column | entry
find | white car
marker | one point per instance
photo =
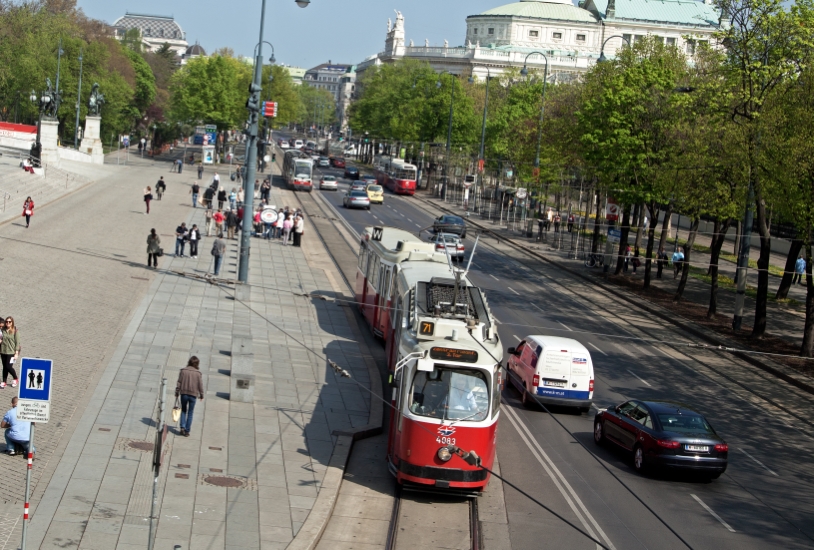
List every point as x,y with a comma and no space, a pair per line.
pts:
328,182
284,144
298,144
324,162
315,156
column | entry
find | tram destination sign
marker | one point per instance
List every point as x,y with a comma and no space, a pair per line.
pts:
452,354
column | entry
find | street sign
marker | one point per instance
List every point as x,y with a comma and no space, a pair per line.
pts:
268,215
34,404
614,235
611,211
480,165
521,193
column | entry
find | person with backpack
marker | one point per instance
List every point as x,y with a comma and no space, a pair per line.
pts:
194,191
188,390
661,259
218,250
153,249
208,195
160,187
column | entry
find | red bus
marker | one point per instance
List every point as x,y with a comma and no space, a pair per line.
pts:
397,175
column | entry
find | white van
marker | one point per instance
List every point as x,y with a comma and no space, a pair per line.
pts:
553,371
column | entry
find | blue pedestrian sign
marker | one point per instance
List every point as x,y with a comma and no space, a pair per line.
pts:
35,379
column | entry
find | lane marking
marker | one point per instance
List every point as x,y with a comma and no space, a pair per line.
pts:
417,225
716,516
515,337
538,307
642,380
759,462
597,349
565,326
493,277
409,220
559,480
513,290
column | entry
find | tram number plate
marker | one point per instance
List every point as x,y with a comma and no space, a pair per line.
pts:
554,383
445,440
427,329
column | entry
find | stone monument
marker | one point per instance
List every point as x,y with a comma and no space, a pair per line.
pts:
91,142
49,125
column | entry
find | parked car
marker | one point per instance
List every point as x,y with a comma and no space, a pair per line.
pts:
324,162
328,182
663,434
352,173
450,224
449,243
356,199
338,162
375,193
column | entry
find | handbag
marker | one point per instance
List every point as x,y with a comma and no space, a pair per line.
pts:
160,252
176,411
28,212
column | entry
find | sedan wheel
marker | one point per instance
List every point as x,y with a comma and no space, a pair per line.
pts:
599,433
638,459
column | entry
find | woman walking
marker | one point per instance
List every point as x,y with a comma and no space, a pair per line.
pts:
287,225
233,199
28,210
189,389
299,225
148,196
9,351
153,248
221,198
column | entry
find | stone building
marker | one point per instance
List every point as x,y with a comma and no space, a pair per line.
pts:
155,30
340,81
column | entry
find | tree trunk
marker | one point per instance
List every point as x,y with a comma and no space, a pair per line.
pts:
685,272
639,229
597,225
665,226
715,252
808,333
738,232
763,269
788,271
653,207
620,263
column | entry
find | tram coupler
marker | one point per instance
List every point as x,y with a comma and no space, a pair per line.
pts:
470,457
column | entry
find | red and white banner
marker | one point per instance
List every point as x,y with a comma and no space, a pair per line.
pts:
612,210
18,136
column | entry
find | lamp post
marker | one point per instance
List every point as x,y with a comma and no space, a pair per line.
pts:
57,93
42,103
483,127
602,57
78,102
524,71
253,105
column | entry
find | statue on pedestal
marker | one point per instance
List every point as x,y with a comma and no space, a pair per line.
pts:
96,101
52,104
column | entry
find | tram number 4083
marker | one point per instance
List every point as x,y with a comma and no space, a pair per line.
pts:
445,440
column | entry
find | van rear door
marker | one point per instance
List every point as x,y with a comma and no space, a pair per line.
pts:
554,369
582,376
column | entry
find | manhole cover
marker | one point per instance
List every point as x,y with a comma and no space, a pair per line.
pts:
222,481
140,445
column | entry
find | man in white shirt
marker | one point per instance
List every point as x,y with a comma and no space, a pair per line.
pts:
18,432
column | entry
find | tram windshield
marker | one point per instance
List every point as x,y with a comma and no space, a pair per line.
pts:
450,394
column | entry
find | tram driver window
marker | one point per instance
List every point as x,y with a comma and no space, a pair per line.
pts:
450,394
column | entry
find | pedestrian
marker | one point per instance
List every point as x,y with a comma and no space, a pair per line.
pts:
180,164
557,221
148,196
288,224
160,187
240,197
189,389
194,191
209,222
208,195
233,199
9,351
181,233
570,222
231,224
17,432
28,210
299,225
219,219
221,198
216,180
218,250
265,189
678,261
194,237
799,270
278,228
627,257
153,248
661,259
540,225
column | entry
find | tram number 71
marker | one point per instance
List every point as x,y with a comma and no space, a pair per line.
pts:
427,328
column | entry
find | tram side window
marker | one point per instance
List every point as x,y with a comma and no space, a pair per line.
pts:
496,391
374,273
363,258
450,394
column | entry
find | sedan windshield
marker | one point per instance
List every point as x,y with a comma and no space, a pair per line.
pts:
685,423
452,220
328,178
450,394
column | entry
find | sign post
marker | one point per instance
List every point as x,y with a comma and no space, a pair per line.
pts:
33,405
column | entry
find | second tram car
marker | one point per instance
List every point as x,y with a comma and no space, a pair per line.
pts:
298,171
397,175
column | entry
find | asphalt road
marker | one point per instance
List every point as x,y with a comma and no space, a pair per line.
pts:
763,500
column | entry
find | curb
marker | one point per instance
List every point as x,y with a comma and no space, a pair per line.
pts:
685,325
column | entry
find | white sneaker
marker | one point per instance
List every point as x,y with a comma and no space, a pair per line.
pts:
14,384
2,385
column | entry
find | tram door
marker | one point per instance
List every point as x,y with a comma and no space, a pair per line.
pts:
381,316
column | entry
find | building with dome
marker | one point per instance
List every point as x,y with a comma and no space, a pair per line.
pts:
155,30
192,52
570,36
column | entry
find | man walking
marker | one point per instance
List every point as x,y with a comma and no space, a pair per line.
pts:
799,270
200,171
181,233
219,218
678,261
160,187
194,239
18,432
661,259
231,223
188,390
218,250
195,190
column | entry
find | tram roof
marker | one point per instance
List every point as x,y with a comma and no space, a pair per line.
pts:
397,245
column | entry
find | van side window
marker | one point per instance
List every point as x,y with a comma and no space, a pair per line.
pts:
526,356
536,356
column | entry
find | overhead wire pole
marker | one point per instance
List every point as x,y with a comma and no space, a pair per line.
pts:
78,103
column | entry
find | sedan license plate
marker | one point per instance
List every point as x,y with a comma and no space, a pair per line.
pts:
554,383
697,448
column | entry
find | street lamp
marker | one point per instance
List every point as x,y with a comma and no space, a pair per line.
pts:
483,125
253,105
78,102
602,57
272,59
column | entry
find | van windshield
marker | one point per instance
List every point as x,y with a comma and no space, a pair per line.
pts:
450,394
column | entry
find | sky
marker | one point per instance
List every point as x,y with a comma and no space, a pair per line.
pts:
342,31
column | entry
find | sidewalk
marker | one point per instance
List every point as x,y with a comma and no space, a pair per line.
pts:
250,473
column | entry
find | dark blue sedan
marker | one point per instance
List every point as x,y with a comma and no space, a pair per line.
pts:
352,173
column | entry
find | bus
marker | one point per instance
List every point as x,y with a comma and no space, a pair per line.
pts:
298,171
397,175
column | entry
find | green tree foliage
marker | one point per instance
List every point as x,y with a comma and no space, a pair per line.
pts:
145,81
211,90
317,106
279,86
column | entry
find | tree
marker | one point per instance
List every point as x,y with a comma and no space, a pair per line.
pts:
281,89
145,90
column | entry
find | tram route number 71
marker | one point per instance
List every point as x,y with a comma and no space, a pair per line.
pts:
427,328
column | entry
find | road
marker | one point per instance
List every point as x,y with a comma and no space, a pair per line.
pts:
762,500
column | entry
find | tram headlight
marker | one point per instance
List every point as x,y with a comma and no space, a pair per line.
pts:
444,454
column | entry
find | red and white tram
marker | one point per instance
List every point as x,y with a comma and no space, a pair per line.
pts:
444,357
397,175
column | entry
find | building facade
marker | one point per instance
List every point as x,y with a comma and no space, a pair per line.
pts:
155,30
570,37
339,81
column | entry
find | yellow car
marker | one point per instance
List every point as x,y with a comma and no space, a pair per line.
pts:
375,193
